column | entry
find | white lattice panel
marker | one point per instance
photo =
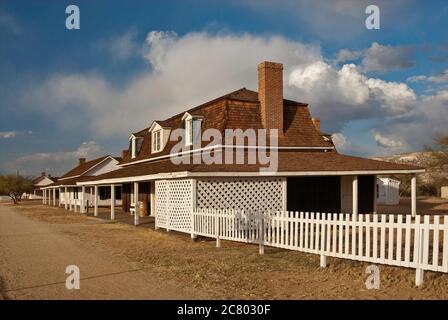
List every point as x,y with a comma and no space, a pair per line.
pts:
174,204
249,194
180,204
161,203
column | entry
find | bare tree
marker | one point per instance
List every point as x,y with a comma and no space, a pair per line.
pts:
14,186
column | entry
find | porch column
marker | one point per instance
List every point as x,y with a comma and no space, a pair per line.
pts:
71,197
43,196
48,200
355,195
374,193
152,199
59,198
54,197
95,202
65,198
112,202
82,208
414,195
136,215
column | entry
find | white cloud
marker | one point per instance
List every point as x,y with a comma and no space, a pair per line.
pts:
380,57
122,47
437,78
386,142
348,55
385,58
8,134
56,163
14,134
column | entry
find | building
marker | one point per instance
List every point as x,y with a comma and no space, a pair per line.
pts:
168,174
388,191
42,181
65,191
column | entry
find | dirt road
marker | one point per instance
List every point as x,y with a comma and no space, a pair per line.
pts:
34,256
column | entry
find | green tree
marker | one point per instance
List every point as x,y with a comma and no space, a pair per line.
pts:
438,164
14,186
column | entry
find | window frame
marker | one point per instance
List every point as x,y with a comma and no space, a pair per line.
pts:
156,141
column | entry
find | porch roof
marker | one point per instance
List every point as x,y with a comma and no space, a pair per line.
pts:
290,163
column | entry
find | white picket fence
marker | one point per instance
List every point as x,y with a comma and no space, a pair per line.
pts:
395,240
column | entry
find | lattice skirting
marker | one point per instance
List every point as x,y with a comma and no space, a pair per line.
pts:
174,204
250,194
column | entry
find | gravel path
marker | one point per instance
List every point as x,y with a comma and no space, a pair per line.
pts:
34,256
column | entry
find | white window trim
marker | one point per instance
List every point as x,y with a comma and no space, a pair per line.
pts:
153,142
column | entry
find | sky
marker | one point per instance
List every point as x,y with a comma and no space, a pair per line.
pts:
66,94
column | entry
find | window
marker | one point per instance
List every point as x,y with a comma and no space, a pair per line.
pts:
104,193
189,132
136,146
157,141
192,131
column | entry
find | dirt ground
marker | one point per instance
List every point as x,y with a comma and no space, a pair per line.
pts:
234,271
425,205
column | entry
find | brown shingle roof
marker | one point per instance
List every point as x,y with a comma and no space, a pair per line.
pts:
288,161
84,167
240,109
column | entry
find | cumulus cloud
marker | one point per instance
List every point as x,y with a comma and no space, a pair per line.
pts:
380,57
348,55
122,47
386,142
56,163
185,71
437,78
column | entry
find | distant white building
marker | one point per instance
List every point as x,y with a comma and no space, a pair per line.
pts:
444,192
388,191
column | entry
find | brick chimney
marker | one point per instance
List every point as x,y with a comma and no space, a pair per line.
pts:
316,122
43,174
82,161
123,153
270,94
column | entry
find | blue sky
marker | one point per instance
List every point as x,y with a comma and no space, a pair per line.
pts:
70,93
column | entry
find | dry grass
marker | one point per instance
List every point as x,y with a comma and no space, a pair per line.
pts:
236,270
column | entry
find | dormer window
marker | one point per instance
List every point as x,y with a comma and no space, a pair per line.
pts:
157,141
192,129
135,146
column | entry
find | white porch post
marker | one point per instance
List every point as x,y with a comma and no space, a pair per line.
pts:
112,202
374,193
60,197
355,195
152,199
43,196
83,207
414,195
65,198
54,197
95,202
136,215
71,197
48,201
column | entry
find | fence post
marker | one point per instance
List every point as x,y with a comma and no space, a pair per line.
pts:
217,231
323,257
261,234
193,236
419,273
